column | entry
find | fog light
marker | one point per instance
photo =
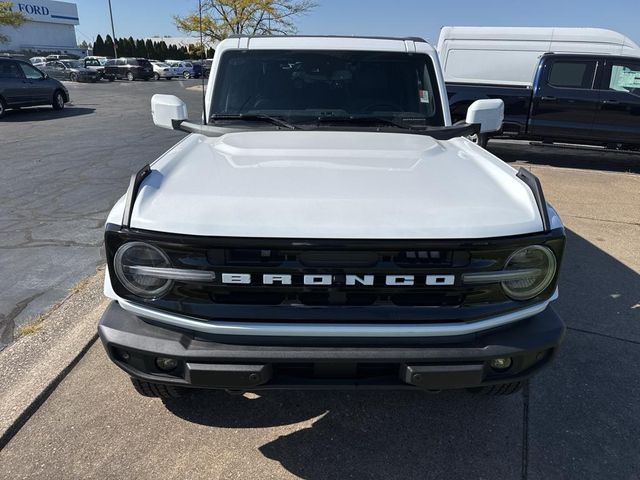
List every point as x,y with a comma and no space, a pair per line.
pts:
501,364
166,364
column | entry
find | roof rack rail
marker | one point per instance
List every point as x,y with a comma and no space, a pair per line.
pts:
414,39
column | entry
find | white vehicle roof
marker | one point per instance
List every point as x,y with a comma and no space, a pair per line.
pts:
509,55
308,42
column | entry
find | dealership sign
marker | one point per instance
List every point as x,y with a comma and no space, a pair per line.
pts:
48,11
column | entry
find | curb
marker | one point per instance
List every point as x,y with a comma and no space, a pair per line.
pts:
42,397
34,365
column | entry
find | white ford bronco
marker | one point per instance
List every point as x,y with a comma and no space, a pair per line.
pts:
324,225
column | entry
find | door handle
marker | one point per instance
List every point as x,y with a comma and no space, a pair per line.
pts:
610,102
548,99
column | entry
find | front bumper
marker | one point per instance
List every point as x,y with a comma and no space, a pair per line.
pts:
134,343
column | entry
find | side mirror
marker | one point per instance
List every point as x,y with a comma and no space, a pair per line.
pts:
167,111
489,114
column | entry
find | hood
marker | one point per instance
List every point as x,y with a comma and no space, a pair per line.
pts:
323,184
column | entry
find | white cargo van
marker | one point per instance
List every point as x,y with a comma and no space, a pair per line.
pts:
509,55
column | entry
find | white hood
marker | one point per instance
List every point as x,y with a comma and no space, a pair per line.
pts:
343,185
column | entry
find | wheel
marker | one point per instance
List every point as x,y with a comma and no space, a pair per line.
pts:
499,389
480,139
58,100
157,390
3,108
73,77
130,76
156,76
186,75
111,78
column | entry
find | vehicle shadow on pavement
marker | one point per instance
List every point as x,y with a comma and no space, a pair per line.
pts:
35,114
566,156
579,419
374,434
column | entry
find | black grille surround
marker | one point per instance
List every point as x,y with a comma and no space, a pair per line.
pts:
338,303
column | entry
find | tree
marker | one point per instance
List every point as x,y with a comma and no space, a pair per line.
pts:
162,51
99,48
151,49
108,45
9,18
141,49
221,18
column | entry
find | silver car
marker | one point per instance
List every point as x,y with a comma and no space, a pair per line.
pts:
163,70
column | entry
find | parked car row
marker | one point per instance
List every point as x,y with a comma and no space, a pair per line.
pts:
23,84
124,68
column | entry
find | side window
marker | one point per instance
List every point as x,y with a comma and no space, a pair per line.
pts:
30,72
625,77
9,70
572,74
121,62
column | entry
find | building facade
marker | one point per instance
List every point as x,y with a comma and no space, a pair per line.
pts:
50,27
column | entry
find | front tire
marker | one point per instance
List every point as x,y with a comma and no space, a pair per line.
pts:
58,100
186,75
3,108
130,76
499,389
156,76
156,390
73,77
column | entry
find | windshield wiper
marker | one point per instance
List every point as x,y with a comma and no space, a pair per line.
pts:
366,120
255,117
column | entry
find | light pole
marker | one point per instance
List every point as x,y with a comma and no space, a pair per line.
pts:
113,32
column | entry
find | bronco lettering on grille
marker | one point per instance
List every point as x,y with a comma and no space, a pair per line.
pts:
349,280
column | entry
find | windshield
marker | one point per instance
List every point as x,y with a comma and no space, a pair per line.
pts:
160,64
299,85
72,63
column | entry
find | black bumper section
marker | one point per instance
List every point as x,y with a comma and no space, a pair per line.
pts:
135,344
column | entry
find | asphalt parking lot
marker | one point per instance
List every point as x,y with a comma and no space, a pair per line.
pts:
579,419
61,173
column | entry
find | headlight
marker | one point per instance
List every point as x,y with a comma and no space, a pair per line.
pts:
536,266
127,262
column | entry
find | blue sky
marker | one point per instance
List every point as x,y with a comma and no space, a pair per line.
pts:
141,18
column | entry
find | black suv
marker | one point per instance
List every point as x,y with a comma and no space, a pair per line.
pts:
23,85
128,68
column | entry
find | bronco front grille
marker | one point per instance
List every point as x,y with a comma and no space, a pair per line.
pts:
374,300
